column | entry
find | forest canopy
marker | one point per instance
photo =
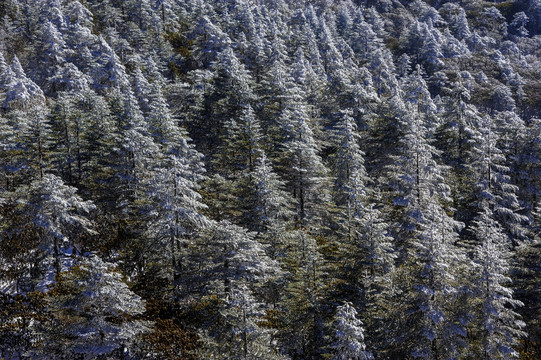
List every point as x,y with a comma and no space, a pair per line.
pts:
270,179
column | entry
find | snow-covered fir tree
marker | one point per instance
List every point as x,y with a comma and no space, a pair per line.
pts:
349,335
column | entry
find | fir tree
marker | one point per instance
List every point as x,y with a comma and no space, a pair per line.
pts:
499,325
94,312
307,174
349,343
58,213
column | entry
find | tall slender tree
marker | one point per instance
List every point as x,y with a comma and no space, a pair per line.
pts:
349,335
499,327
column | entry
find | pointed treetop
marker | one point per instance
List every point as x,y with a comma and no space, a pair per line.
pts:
20,90
78,14
17,68
349,335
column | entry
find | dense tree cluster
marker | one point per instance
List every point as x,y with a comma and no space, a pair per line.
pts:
270,179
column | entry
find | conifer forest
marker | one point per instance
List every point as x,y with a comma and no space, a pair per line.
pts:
270,179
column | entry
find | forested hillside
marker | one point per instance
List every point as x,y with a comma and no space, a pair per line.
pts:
270,179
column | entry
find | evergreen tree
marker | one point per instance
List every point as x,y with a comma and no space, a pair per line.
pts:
305,302
53,54
349,167
135,152
455,16
349,335
230,95
499,325
210,41
69,129
92,126
19,91
493,187
273,207
416,94
426,243
230,265
248,339
178,206
431,54
94,313
142,90
306,173
456,139
58,213
30,140
241,143
78,36
272,204
520,20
